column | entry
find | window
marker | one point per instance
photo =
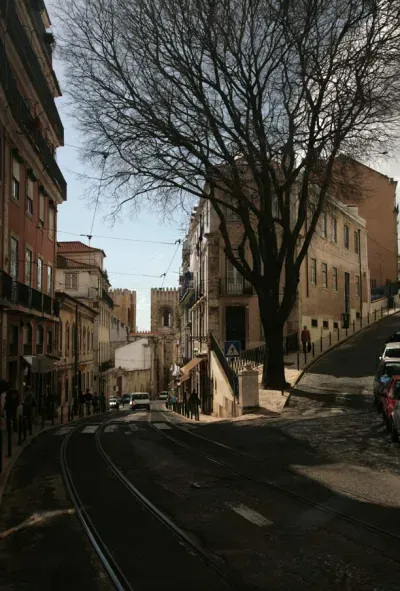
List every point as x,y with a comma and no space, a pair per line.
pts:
49,341
27,339
373,283
51,222
358,286
60,338
29,197
39,340
166,318
67,341
324,275
334,278
14,258
84,341
28,267
41,207
313,271
324,223
325,324
356,243
13,333
71,281
39,274
73,338
49,280
15,180
336,325
314,323
334,230
346,237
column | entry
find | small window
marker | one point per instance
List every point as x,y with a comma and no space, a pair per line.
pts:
67,338
28,267
314,323
39,340
41,207
71,281
324,224
39,274
29,197
324,275
334,278
336,325
334,230
49,280
325,324
358,286
346,237
313,264
49,341
373,283
358,315
15,180
356,243
14,256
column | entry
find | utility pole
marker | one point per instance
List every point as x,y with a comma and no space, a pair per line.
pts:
76,370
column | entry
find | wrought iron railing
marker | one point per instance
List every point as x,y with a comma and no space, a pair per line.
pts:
20,294
228,371
23,116
256,355
108,299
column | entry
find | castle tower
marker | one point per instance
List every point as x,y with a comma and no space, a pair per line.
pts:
165,325
125,306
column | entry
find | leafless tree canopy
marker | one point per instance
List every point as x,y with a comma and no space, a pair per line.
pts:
255,97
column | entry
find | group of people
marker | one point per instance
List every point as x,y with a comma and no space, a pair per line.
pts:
92,402
13,405
189,404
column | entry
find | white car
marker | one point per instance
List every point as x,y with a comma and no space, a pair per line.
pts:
140,400
112,403
391,352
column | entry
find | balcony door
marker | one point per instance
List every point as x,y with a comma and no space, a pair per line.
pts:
235,324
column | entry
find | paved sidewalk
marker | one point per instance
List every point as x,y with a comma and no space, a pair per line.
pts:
37,428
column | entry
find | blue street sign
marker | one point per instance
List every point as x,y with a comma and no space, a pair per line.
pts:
232,348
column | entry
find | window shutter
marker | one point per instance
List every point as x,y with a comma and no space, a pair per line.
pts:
16,169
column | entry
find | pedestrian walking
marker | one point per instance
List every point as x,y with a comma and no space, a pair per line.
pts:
194,403
88,401
82,400
95,403
306,340
11,407
102,403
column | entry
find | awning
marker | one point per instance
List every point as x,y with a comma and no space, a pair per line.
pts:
41,363
186,369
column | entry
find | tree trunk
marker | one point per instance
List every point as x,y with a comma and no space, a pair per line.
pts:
274,370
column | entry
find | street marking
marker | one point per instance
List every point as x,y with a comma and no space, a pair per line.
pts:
90,429
111,429
250,514
161,426
64,430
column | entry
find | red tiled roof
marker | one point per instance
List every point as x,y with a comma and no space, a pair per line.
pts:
77,246
66,263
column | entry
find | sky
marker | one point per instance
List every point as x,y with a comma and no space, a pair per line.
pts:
128,257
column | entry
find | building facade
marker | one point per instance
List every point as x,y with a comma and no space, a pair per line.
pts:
125,306
76,368
81,274
31,189
165,326
134,367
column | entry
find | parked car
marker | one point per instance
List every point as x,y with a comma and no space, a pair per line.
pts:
385,371
391,351
113,403
125,399
140,400
163,396
394,338
390,396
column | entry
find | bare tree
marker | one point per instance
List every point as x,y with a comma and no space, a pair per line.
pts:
246,103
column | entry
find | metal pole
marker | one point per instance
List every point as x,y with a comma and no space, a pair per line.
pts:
9,438
313,349
298,360
338,334
330,339
321,344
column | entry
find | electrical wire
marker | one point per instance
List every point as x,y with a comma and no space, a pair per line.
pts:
178,243
113,238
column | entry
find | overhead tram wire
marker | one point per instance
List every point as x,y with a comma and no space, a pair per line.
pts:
178,243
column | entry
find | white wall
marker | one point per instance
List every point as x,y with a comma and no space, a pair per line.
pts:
224,404
136,355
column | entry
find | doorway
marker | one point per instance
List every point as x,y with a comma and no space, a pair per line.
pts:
347,293
235,324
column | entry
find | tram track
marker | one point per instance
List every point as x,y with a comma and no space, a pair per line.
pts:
114,566
271,485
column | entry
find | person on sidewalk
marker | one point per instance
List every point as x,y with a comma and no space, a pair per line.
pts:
306,340
28,404
88,401
95,403
194,403
11,407
102,402
4,387
81,403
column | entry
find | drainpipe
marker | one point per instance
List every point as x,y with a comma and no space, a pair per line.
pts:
360,271
76,353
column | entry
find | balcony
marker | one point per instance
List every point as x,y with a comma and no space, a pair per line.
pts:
106,365
236,287
22,115
19,294
20,39
107,299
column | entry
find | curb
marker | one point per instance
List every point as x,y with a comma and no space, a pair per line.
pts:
23,447
318,357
